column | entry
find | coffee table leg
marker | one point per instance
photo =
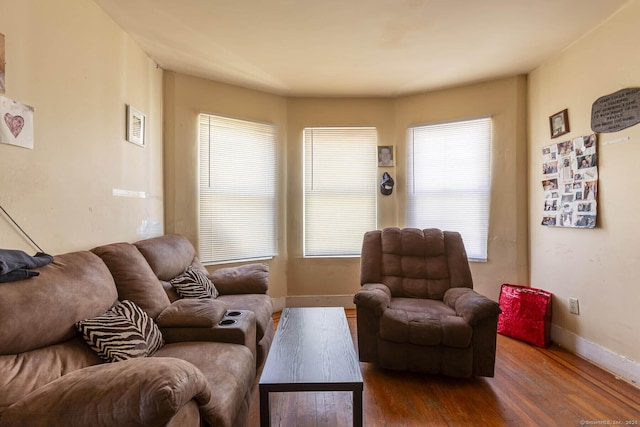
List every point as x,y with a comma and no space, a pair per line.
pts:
357,408
265,412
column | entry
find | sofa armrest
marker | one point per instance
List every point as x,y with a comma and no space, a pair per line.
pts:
142,391
236,327
244,279
374,296
469,304
192,313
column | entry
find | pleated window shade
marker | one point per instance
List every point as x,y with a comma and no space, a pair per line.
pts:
449,180
237,190
340,189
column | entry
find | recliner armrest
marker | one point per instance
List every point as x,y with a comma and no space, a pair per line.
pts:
469,304
244,279
142,391
192,312
374,296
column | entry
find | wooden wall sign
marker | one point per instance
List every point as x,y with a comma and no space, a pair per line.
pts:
620,110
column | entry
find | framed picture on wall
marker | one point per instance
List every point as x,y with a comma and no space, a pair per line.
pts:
135,126
559,123
385,155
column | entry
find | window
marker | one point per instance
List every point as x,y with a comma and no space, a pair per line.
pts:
448,180
237,197
340,190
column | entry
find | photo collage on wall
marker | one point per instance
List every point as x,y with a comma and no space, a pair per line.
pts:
570,183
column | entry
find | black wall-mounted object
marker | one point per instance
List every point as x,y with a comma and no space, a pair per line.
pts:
386,186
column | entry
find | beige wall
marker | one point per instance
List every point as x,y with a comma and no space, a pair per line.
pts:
505,101
71,62
296,277
186,97
330,276
598,266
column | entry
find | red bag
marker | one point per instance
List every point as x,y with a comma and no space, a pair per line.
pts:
526,314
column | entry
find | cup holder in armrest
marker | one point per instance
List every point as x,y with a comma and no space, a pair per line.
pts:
227,322
233,313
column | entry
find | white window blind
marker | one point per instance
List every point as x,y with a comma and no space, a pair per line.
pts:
237,189
448,180
340,189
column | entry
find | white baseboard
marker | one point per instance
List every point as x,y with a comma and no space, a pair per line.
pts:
345,301
617,364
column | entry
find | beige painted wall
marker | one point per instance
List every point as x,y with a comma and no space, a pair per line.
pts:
330,276
505,101
185,98
598,266
71,62
291,274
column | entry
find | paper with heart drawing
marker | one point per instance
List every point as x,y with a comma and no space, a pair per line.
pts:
16,123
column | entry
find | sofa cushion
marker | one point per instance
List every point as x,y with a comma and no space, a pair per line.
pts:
43,310
167,255
124,332
134,277
434,307
193,283
428,328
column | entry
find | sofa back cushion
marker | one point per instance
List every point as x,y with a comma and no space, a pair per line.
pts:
168,255
415,263
43,310
134,278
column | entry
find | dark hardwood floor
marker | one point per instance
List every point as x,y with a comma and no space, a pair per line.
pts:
531,387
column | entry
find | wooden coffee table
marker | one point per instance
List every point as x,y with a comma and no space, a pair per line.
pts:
312,351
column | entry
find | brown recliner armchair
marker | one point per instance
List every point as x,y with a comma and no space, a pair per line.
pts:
417,309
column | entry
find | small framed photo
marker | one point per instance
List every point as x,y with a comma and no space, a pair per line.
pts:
135,126
385,155
559,123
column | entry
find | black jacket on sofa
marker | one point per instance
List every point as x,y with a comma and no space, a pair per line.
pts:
16,265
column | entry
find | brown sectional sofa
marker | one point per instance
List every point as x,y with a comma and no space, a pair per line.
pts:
203,375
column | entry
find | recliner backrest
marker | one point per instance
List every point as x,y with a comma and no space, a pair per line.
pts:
415,263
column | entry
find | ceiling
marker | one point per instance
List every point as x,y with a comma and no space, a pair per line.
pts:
355,47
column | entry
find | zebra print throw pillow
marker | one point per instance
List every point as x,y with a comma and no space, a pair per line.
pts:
193,283
125,331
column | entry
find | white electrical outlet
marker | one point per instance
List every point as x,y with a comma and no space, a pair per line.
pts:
574,307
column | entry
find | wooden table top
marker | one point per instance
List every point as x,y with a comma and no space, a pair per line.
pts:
312,346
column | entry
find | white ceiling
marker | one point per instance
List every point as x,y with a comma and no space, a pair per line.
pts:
355,47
